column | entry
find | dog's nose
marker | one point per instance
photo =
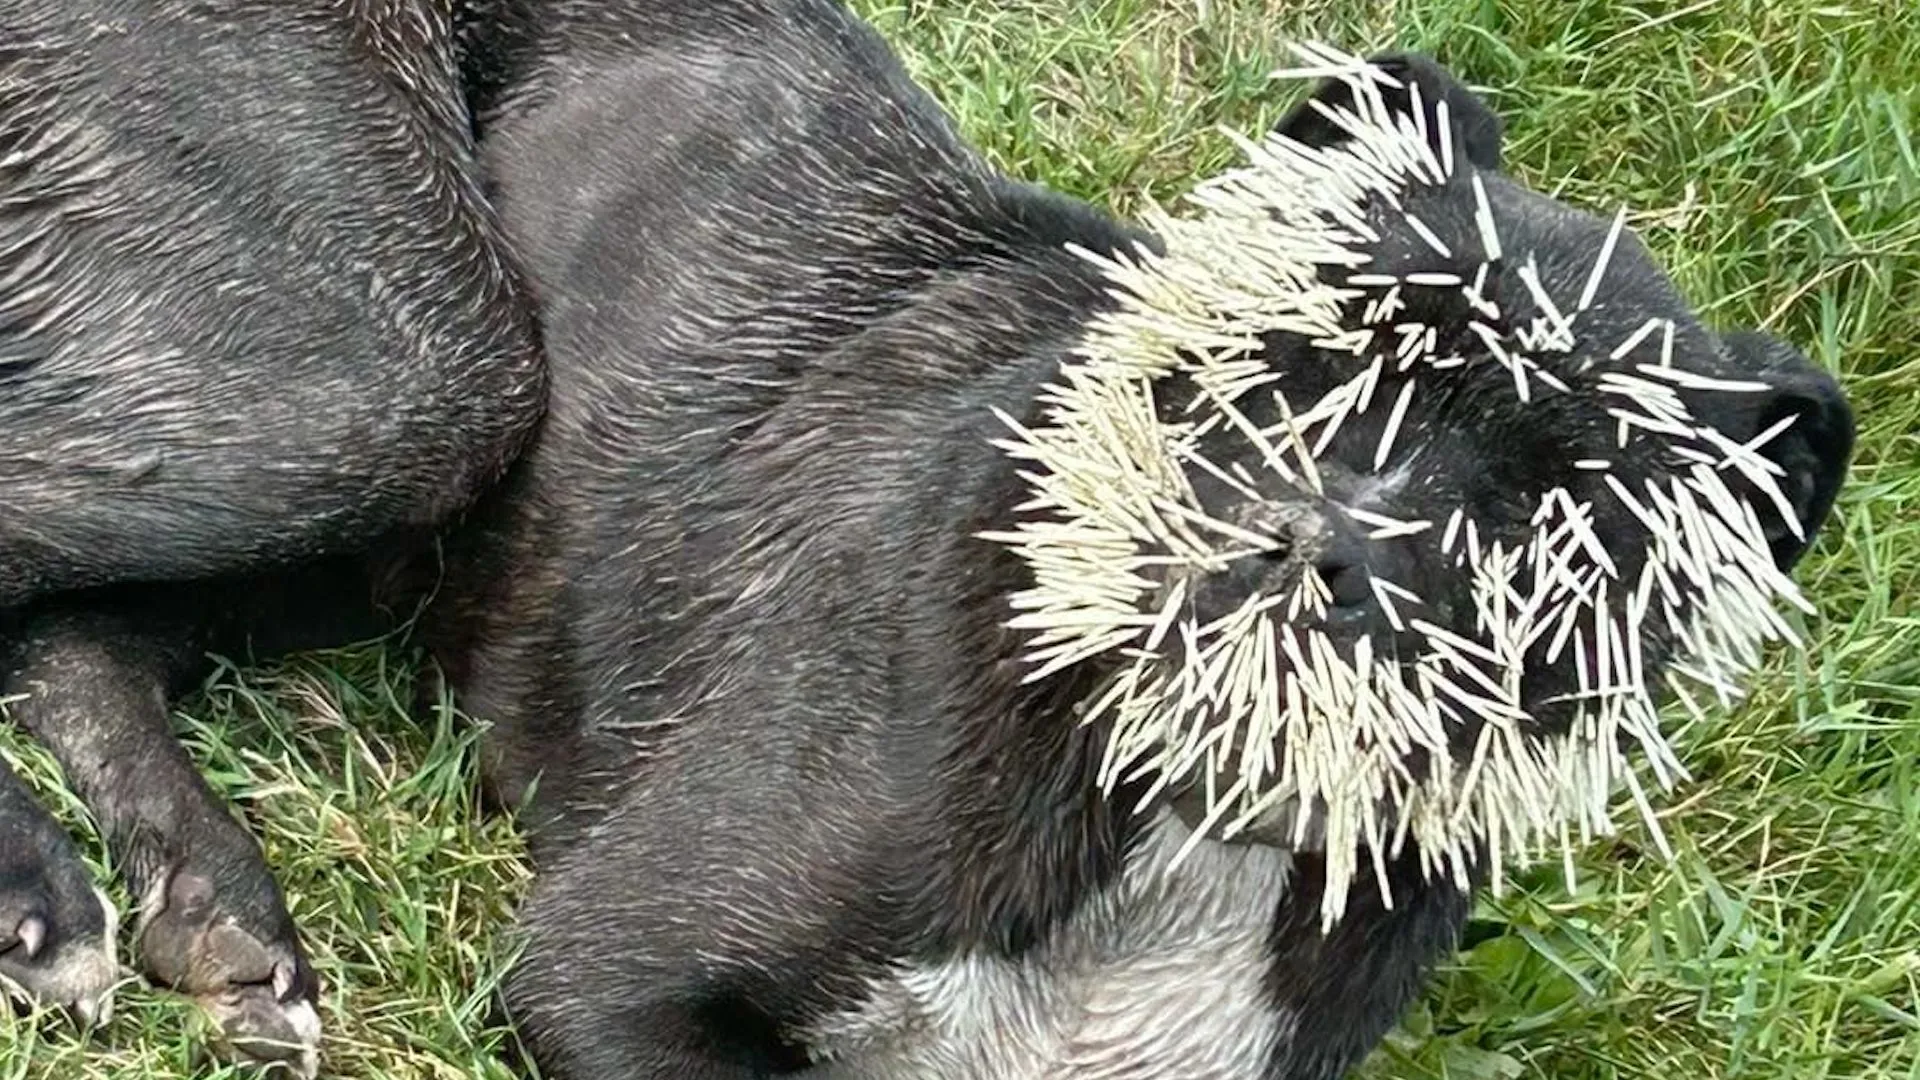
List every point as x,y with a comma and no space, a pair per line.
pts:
1322,536
1345,574
1339,556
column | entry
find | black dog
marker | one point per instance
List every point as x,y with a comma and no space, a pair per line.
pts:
795,809
253,313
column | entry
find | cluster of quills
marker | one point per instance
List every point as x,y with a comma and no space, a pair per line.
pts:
1260,709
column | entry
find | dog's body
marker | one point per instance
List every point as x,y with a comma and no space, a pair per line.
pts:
238,232
733,614
795,808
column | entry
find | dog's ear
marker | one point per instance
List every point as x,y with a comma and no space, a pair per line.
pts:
1475,130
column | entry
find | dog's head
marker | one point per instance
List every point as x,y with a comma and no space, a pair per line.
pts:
1472,435
1432,529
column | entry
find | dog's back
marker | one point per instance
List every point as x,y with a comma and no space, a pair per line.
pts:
752,238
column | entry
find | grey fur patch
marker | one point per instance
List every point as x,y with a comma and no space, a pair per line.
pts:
1161,976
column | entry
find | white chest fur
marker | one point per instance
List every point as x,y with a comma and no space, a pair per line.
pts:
1159,977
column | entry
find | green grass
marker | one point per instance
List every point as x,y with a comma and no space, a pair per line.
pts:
1769,150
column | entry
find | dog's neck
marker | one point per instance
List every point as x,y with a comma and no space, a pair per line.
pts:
1029,833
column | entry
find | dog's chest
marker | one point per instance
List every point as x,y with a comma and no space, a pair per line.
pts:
1163,977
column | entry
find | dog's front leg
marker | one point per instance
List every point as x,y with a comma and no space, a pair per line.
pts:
94,685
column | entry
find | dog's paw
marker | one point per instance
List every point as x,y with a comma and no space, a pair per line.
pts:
247,973
57,940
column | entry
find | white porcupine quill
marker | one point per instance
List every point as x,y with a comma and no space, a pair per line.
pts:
1261,712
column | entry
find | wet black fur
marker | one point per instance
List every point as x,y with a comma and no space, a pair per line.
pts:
728,610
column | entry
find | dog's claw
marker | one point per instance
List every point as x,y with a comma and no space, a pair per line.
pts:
285,977
77,973
282,1035
31,934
